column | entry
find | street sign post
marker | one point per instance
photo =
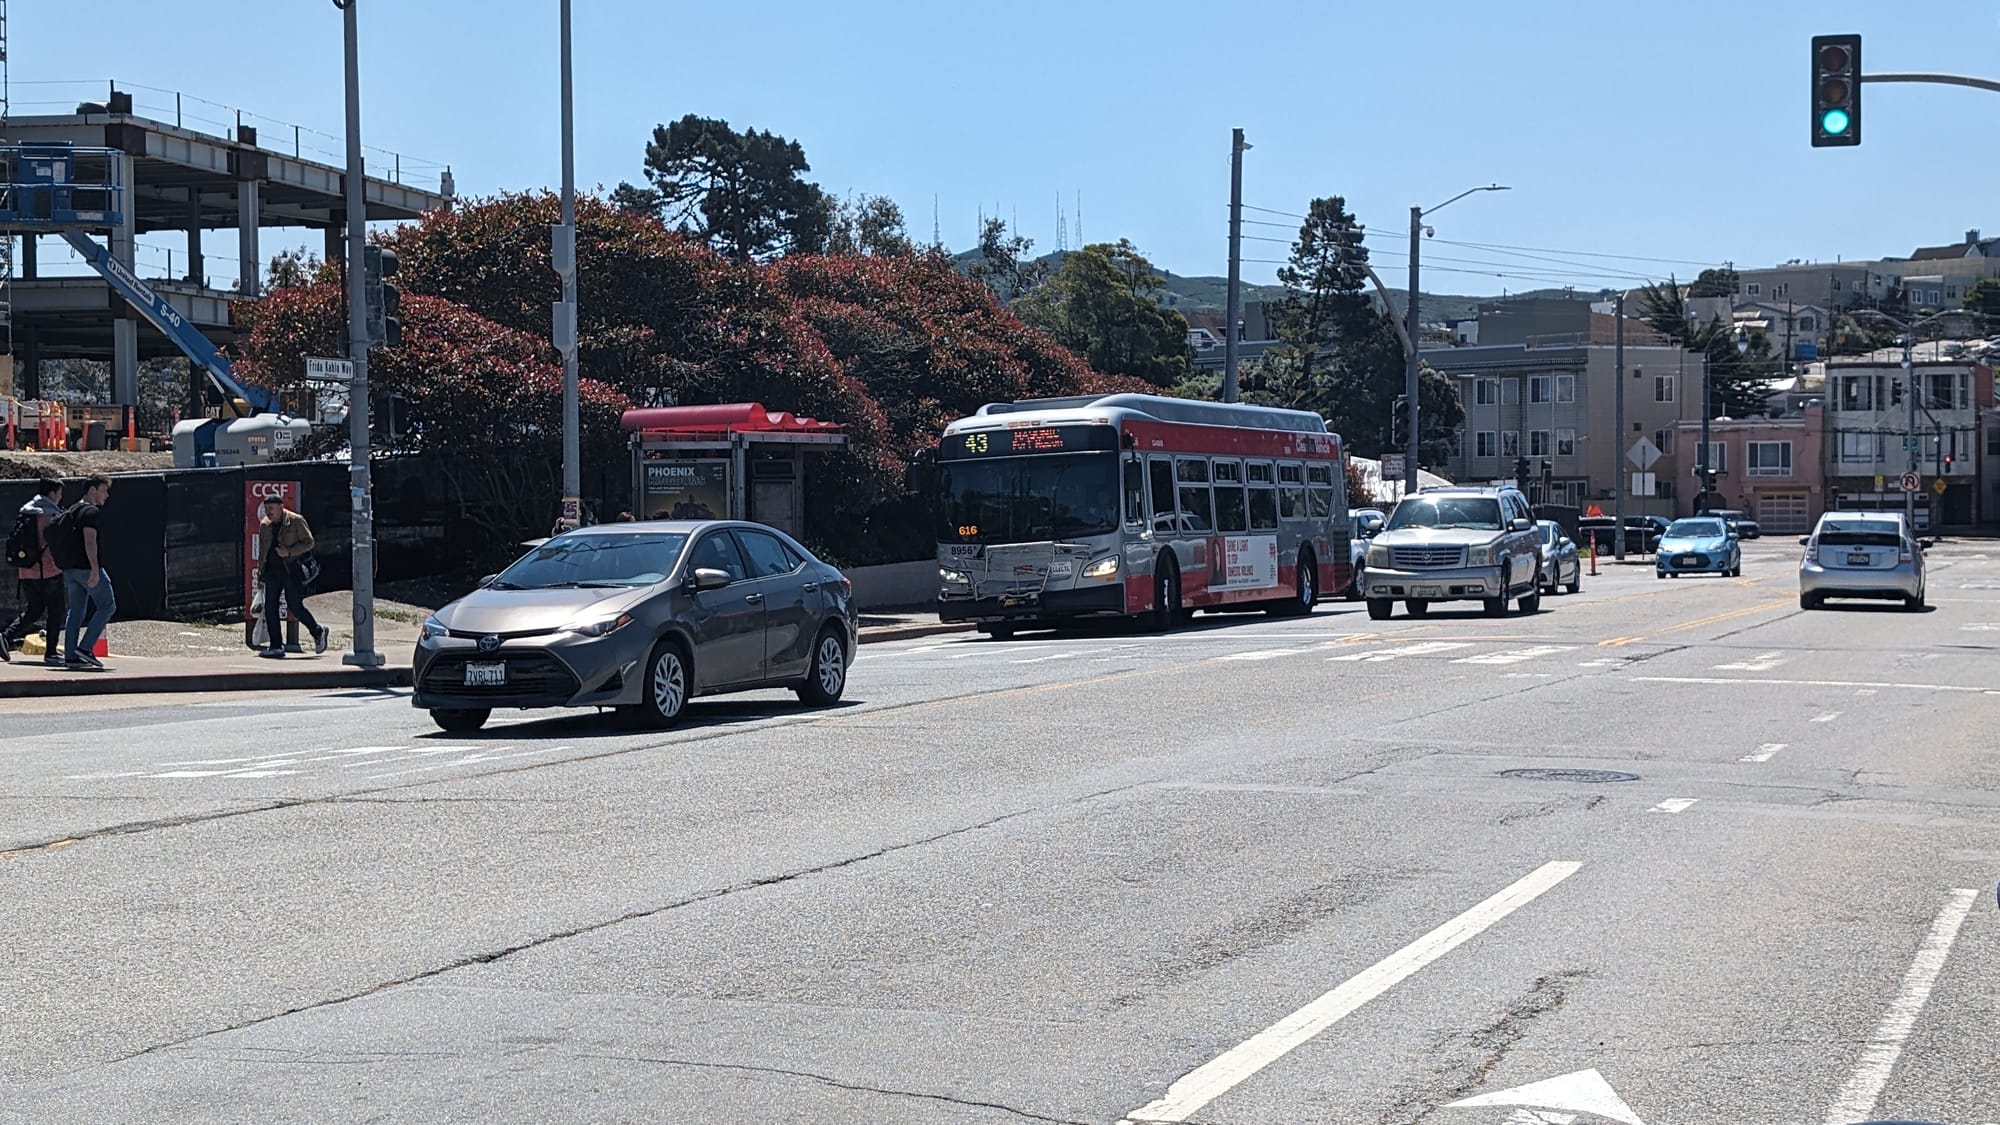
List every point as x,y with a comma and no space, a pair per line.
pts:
1392,466
1644,484
1938,486
1911,482
323,370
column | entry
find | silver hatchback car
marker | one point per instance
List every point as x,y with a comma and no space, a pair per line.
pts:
641,617
1862,555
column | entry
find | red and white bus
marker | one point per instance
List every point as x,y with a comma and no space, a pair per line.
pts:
1136,505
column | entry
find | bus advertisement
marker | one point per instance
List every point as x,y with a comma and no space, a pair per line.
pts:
1138,506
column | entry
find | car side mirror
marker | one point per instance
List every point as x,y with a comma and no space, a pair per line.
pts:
1524,524
708,578
1926,544
488,581
1805,540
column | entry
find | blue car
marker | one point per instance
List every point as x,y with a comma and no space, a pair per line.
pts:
1699,545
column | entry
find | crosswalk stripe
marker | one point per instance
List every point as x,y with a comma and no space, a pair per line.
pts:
1427,648
1514,656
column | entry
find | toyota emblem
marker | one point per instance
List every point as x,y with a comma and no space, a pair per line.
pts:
488,643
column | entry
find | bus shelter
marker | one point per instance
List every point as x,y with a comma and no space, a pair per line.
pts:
726,461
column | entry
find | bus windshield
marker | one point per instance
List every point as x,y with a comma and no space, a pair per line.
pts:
1028,499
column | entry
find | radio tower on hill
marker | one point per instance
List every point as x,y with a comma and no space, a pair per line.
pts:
1062,227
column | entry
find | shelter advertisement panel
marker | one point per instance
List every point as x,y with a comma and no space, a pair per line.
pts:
686,490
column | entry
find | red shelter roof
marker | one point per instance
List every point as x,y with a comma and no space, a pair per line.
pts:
722,418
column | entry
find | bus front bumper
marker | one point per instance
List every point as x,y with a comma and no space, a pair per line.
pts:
1103,600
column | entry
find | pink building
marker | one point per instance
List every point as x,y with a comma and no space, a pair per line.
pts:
1771,469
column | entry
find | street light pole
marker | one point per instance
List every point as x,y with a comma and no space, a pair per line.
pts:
1412,337
565,328
1910,433
1617,454
362,525
1237,145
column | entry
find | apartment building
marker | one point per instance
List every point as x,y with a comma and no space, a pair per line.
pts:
1868,440
1771,468
1556,403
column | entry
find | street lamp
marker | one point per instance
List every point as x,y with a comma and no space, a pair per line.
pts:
1411,336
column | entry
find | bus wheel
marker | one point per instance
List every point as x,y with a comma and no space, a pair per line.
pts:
1166,594
1380,608
1305,589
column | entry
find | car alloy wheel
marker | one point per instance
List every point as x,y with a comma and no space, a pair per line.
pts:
667,685
827,678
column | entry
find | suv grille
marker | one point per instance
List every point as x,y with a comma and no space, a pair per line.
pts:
529,674
1424,558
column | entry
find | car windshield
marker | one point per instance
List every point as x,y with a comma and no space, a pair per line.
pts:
583,558
1695,529
1028,499
1862,536
1477,513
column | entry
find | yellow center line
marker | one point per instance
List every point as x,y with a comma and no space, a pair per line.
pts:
1620,642
1734,613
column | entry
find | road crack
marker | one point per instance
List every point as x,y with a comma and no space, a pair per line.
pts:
488,957
1471,1057
827,1080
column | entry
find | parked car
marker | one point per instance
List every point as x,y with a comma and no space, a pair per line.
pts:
1562,564
1743,525
1455,544
1642,533
641,617
1862,555
1699,545
1362,524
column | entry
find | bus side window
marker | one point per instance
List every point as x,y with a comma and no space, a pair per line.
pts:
1194,495
1320,477
1135,491
1160,476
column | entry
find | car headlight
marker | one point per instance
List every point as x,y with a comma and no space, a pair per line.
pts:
952,577
1102,568
1479,556
433,628
602,628
1377,556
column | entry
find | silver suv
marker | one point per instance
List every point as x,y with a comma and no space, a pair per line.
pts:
1456,544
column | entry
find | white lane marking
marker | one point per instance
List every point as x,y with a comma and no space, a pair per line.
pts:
1674,805
367,750
1515,656
1864,691
1762,662
1260,654
473,760
262,773
184,773
1212,1079
1428,648
1046,659
1720,681
1765,752
1857,1099
1826,718
211,762
1604,663
1549,1100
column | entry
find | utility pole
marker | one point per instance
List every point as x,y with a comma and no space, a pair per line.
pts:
1235,304
1411,360
1618,453
1910,433
1707,474
360,485
565,327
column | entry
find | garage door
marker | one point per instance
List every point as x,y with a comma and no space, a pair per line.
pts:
1783,513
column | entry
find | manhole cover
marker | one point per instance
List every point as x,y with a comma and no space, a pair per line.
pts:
1594,777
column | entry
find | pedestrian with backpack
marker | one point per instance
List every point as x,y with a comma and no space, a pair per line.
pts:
284,544
40,577
73,541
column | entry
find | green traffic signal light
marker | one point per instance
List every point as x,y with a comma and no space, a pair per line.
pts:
1834,122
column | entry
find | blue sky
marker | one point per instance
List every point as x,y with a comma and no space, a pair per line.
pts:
1675,133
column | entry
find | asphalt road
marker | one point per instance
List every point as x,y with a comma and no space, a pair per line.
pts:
1259,870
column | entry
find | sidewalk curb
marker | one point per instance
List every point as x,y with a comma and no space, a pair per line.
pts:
910,632
113,683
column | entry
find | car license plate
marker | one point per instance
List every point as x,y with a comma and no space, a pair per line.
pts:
1010,603
1858,558
486,675
1427,592
1687,560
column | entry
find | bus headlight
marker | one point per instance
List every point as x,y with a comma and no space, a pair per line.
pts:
952,577
1103,568
1378,557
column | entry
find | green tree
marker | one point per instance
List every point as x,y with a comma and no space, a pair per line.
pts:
743,193
1102,303
1003,264
1738,380
868,226
1339,355
1443,413
1714,283
1984,297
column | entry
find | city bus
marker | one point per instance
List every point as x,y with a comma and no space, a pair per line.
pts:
1138,506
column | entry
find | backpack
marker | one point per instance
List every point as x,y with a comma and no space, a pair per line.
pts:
66,538
24,543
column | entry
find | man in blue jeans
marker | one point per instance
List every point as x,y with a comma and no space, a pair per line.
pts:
73,542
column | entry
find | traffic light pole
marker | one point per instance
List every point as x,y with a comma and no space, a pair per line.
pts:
1937,80
362,533
1910,434
565,331
1618,455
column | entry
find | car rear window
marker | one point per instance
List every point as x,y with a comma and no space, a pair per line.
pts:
1858,537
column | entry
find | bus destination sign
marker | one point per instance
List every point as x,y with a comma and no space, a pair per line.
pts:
1037,439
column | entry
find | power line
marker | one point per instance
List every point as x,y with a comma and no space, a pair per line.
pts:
1274,211
1578,253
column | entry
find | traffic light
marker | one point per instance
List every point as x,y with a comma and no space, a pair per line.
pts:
1836,91
1399,422
1895,392
385,300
